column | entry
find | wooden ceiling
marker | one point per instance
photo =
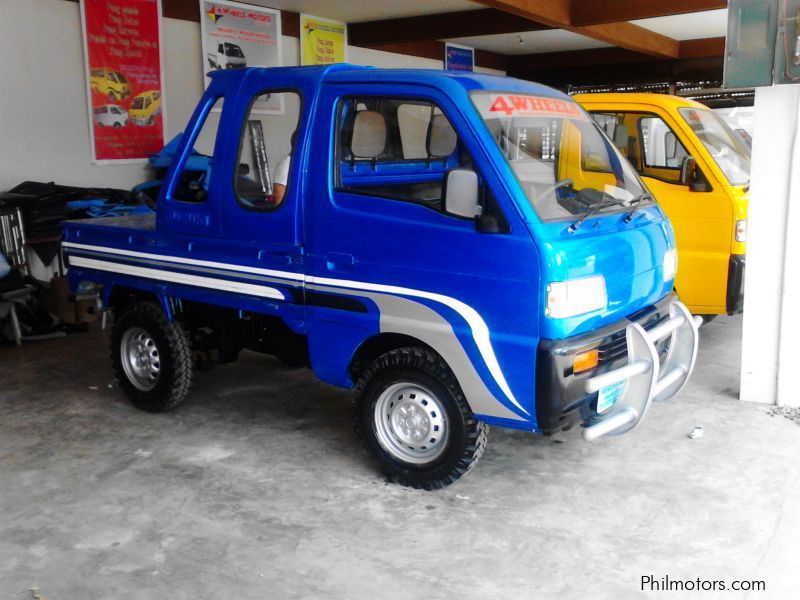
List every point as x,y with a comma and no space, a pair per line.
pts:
638,56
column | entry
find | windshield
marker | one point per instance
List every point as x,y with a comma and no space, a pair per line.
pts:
723,144
233,50
565,165
138,102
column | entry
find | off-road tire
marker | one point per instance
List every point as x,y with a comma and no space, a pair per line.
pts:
466,436
175,377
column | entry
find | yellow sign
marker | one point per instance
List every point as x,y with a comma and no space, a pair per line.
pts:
322,41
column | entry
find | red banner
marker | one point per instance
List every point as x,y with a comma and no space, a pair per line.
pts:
122,48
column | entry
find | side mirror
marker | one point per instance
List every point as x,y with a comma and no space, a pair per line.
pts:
692,177
461,193
688,169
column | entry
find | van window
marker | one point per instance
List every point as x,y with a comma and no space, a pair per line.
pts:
646,141
265,152
727,149
194,180
397,148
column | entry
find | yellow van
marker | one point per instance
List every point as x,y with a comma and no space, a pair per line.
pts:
112,84
145,107
698,169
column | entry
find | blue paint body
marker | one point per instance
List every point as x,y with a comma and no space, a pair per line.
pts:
341,243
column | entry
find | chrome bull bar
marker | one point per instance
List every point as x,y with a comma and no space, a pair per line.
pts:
646,380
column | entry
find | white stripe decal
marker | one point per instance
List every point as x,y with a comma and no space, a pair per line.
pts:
480,331
204,282
187,261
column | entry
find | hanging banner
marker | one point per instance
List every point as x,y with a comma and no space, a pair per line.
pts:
458,58
124,78
236,36
322,41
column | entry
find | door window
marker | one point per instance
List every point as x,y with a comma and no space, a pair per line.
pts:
265,152
396,148
647,142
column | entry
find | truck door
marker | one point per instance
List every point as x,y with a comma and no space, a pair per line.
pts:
700,212
262,209
386,257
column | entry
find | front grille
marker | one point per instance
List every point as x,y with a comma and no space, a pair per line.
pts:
616,346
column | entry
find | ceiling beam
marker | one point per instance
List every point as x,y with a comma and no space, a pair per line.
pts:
558,13
703,47
596,12
468,23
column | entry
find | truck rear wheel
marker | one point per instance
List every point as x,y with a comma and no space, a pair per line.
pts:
411,414
152,357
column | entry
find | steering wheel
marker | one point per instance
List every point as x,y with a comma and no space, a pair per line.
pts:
556,185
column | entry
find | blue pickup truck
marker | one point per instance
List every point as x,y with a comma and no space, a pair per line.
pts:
463,250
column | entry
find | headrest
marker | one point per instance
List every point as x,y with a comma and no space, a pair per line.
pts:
621,136
369,135
441,137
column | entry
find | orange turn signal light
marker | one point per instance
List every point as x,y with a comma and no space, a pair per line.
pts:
584,361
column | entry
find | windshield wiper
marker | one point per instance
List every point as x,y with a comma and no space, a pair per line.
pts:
635,202
592,210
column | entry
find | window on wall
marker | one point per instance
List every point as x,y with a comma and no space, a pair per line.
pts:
265,151
397,148
192,185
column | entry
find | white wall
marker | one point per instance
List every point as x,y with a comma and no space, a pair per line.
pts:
43,114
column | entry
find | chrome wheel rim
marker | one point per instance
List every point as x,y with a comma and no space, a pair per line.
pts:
410,423
140,358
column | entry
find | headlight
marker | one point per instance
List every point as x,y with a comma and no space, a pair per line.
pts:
670,265
575,297
741,230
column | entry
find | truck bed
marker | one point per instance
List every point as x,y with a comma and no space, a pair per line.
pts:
113,231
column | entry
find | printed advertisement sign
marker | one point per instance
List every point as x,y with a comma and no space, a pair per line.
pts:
322,41
458,58
124,78
236,36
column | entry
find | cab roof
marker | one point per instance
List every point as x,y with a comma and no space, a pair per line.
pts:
347,73
663,100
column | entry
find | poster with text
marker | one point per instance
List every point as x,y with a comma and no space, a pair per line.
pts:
322,41
124,78
236,36
458,58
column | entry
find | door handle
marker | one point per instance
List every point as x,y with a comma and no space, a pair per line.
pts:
276,259
339,261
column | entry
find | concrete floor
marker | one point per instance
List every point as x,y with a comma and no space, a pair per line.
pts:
257,488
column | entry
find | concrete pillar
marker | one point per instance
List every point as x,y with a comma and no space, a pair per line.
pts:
771,326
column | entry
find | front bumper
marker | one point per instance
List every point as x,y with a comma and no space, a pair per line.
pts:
646,377
565,398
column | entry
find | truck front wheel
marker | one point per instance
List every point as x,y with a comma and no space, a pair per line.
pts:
152,358
411,414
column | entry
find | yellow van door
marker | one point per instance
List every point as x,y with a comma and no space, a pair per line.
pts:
700,214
